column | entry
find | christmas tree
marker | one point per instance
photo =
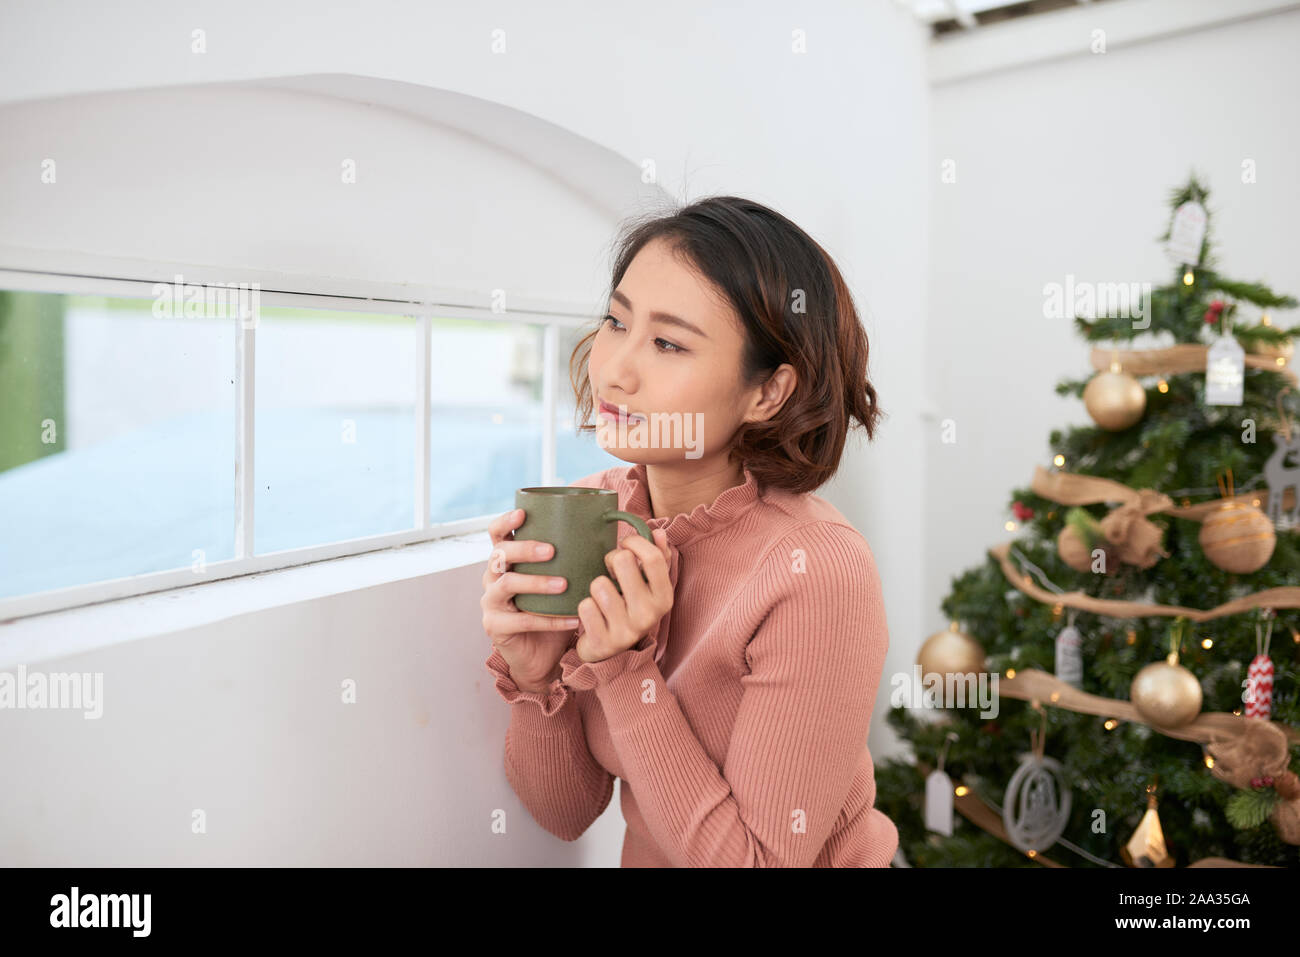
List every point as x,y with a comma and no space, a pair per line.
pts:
1129,629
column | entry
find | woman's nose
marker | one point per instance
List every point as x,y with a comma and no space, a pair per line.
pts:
621,370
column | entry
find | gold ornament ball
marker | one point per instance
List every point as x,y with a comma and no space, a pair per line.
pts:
1115,400
1166,694
950,652
1238,538
1073,551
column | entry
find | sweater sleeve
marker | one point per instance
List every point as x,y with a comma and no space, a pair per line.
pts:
815,664
547,761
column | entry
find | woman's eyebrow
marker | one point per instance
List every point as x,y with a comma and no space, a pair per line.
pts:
663,317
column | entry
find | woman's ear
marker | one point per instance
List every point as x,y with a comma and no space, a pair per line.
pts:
772,394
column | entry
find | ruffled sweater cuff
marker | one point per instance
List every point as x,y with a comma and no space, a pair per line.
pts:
547,702
588,675
576,675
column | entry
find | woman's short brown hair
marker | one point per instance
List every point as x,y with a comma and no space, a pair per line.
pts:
794,307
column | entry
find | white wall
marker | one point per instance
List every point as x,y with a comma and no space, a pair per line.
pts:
246,178
1064,167
239,717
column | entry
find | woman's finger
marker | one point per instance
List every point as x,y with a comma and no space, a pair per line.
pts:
636,592
504,525
509,552
514,622
593,621
504,589
653,560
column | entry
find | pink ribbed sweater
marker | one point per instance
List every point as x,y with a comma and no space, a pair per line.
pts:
738,727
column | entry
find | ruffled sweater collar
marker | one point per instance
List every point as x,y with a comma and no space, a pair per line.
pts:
685,527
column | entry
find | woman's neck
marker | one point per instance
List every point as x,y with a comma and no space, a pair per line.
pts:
675,488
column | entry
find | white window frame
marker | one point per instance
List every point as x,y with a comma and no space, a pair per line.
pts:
550,314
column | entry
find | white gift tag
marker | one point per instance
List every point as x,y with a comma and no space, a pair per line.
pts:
1186,234
1069,657
1225,372
938,803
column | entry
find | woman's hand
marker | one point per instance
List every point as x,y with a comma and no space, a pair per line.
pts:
532,645
614,622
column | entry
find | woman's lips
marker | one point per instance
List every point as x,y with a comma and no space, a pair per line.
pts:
612,412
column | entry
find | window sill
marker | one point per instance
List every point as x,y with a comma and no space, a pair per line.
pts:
89,627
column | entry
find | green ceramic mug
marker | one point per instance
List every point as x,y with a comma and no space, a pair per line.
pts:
582,524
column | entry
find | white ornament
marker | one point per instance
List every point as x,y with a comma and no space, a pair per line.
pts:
1069,656
1281,476
1225,372
1186,234
1036,807
938,794
938,803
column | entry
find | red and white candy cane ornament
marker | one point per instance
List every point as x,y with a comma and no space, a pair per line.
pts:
1259,678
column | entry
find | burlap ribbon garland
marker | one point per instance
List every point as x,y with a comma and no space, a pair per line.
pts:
1067,488
1285,597
1033,684
1187,357
1244,749
1135,537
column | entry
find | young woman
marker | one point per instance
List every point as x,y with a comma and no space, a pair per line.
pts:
730,686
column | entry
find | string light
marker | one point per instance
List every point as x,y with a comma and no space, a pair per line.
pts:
961,790
1207,644
1188,279
1162,385
1111,724
1059,461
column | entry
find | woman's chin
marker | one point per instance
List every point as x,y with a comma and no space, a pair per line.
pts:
612,434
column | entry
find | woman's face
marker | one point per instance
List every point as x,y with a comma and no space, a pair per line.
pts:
645,364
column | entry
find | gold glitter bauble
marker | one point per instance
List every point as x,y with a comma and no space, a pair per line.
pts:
1115,400
1166,694
1238,538
951,652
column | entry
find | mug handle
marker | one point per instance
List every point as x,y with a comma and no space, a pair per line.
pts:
642,528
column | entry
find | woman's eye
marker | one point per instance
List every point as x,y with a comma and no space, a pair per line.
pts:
666,347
